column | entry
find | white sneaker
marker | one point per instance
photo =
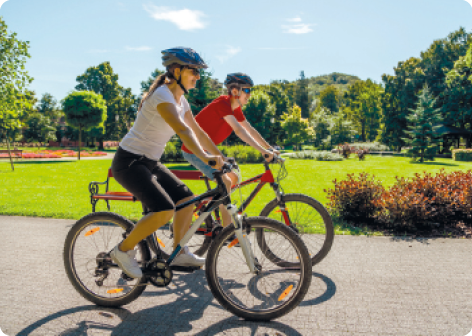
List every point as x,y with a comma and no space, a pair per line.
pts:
187,258
127,262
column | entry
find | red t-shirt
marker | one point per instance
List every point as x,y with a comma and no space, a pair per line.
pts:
211,120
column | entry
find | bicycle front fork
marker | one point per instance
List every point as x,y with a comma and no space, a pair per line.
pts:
243,241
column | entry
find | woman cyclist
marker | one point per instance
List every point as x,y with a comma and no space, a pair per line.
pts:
219,119
163,112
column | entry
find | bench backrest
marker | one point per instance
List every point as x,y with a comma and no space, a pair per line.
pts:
181,174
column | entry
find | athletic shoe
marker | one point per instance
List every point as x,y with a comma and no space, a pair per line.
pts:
187,258
127,262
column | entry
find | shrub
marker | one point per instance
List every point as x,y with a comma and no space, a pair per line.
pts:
172,153
371,146
424,203
315,155
242,154
354,200
462,154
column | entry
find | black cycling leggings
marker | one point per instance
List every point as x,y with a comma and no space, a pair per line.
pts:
149,181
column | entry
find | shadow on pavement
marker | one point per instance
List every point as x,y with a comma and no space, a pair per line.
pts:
193,300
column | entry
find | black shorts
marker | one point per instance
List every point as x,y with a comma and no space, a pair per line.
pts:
149,181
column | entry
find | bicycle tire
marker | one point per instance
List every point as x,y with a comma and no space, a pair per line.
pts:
73,245
228,297
318,248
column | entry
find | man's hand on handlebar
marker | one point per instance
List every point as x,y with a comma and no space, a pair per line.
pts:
272,149
216,161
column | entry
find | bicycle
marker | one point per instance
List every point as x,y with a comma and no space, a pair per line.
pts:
251,286
302,213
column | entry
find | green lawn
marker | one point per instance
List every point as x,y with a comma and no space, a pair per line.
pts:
59,189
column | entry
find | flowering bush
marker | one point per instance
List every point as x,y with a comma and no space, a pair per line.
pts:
54,154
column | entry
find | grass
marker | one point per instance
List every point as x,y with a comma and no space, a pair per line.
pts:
59,189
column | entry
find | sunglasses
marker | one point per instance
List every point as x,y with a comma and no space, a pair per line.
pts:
196,72
246,90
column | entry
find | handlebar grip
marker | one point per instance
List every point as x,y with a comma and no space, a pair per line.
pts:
212,163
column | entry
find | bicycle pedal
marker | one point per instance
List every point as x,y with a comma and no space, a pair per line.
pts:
185,269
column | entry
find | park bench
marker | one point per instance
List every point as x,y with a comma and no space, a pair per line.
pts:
15,153
95,195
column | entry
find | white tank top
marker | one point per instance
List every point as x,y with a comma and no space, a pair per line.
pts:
150,132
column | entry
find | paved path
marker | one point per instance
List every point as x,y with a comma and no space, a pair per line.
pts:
366,286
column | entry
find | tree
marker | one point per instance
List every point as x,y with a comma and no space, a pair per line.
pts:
84,110
423,127
458,104
14,80
39,128
301,95
296,128
321,123
260,113
329,98
363,108
341,130
102,80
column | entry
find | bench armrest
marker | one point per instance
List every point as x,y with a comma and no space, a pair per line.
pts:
94,187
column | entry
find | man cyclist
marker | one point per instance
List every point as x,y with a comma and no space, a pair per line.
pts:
163,112
219,119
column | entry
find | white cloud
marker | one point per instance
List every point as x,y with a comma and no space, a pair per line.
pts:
228,53
143,48
277,48
301,28
185,19
295,19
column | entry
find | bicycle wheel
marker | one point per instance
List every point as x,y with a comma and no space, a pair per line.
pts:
88,264
198,243
273,291
309,218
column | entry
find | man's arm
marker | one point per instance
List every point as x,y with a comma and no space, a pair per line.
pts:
244,135
255,134
202,137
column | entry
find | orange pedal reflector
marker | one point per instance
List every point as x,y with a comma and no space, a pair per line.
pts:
234,242
91,232
117,290
161,242
284,294
195,214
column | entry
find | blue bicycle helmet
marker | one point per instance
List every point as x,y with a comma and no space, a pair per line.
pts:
238,78
182,56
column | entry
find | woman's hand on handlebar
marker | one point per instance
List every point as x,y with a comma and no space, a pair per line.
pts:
268,156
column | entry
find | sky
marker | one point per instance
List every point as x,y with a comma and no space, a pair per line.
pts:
269,40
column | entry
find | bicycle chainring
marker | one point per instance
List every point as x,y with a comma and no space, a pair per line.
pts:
158,272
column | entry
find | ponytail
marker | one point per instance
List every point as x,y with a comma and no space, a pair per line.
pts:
165,78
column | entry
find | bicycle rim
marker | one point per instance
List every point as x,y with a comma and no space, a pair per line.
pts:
309,219
275,290
93,237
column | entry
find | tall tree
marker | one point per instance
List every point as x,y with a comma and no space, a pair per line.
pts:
84,110
321,123
329,98
39,128
102,80
458,103
145,85
423,125
297,129
363,108
301,95
260,113
14,80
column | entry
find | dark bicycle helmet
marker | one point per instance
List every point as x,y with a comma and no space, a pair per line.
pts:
238,78
182,56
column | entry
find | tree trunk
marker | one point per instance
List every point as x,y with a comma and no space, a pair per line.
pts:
9,153
80,139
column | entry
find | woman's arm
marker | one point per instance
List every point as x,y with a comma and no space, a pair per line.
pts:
202,137
169,113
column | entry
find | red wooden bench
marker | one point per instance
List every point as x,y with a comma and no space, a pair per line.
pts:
95,195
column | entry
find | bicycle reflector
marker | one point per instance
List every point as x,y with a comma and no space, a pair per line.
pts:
117,290
234,242
161,242
91,232
285,293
